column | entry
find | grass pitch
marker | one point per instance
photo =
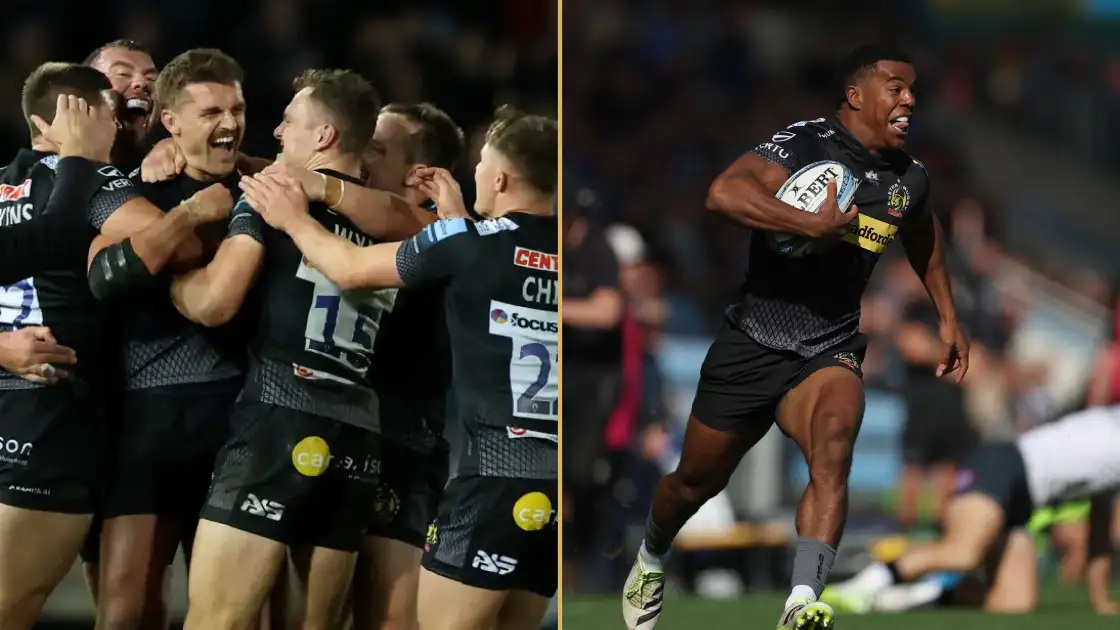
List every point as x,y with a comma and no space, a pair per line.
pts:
1061,608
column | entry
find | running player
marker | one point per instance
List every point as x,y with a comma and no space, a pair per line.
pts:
997,490
300,470
490,558
412,375
55,434
181,378
790,350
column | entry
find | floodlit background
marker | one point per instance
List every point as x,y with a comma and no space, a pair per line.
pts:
1017,123
466,57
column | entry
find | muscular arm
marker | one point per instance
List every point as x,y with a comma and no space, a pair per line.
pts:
155,236
1099,570
212,295
378,213
924,243
745,193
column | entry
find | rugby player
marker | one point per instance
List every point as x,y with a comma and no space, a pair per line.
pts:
412,376
790,350
998,488
132,73
181,377
300,470
490,558
54,432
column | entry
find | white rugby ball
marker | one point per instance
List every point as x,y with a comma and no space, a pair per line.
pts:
806,190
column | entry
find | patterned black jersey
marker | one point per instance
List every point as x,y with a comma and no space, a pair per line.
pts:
58,299
499,277
161,346
314,342
411,371
811,303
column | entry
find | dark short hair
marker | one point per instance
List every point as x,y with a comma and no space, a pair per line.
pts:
857,63
45,83
127,44
440,141
530,141
350,101
200,65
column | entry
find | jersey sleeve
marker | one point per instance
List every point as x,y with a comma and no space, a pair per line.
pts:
244,220
116,191
791,148
438,252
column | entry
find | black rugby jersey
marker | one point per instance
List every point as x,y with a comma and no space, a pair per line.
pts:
811,303
161,347
58,299
500,278
411,371
314,342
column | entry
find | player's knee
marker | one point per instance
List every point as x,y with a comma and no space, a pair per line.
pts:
695,489
960,556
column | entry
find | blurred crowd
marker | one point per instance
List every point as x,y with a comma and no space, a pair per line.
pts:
682,88
465,57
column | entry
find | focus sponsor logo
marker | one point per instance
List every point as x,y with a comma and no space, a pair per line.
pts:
532,259
499,316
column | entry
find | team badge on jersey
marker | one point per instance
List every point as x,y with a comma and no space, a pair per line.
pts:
849,359
898,197
387,504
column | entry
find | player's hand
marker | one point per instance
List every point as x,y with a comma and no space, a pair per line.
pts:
279,199
79,128
832,223
212,203
163,162
314,184
33,354
954,352
441,187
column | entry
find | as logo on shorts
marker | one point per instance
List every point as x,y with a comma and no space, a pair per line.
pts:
849,359
533,512
311,456
432,538
387,504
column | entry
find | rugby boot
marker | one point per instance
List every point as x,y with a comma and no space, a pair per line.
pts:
806,614
643,596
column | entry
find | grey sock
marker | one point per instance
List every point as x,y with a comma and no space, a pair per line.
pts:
657,542
812,562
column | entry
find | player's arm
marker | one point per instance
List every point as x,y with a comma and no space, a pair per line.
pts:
140,239
924,243
58,238
435,254
378,213
1099,569
213,294
745,190
602,308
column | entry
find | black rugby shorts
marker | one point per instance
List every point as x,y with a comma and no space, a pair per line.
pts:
496,533
996,470
166,446
408,494
296,478
52,450
937,430
742,381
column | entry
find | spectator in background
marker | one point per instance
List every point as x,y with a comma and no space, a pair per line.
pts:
592,338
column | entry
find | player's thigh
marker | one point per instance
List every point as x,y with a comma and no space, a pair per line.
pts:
386,579
823,410
231,574
1013,567
136,555
522,611
449,604
39,549
325,576
498,534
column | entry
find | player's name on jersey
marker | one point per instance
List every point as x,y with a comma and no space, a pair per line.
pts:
537,289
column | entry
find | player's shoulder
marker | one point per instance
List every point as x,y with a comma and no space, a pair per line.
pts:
913,170
796,144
